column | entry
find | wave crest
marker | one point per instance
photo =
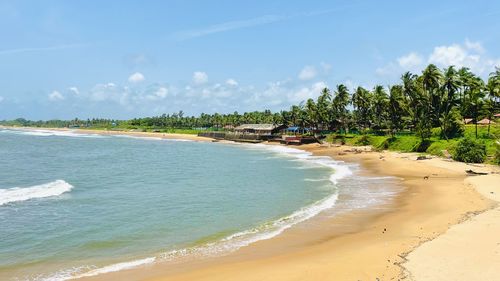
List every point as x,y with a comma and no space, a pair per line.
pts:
50,189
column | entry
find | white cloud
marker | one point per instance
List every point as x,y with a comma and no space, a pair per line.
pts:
452,55
159,94
1,99
410,61
200,77
74,90
325,66
307,73
55,96
239,24
469,54
476,46
306,93
109,92
162,92
232,82
136,77
389,69
40,49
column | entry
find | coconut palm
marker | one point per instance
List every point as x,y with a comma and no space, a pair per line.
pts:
411,95
396,108
431,82
451,84
339,105
362,103
323,108
380,101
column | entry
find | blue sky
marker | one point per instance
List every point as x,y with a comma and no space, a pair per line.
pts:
124,59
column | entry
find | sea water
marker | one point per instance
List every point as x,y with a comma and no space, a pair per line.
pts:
74,205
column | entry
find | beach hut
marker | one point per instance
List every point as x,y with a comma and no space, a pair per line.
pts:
468,121
485,121
259,129
296,130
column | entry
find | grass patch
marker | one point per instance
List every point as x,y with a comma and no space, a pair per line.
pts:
434,146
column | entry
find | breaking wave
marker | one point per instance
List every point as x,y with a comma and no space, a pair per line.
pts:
50,189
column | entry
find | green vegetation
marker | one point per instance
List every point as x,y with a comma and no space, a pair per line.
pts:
435,145
497,152
424,113
469,151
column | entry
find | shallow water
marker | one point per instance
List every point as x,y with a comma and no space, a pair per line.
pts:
81,204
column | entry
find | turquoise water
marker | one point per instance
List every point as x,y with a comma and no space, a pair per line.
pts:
80,205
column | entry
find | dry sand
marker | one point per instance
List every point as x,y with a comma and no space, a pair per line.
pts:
467,251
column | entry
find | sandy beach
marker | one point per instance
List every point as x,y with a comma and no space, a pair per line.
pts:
386,243
442,226
374,244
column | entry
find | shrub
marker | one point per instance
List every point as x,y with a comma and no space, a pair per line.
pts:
453,126
387,143
497,152
363,140
469,151
422,146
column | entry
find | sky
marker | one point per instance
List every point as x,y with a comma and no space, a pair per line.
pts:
126,59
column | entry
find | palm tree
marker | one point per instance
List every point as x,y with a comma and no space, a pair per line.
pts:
431,82
493,91
451,83
380,101
396,111
362,102
465,77
323,107
411,95
339,105
312,114
475,98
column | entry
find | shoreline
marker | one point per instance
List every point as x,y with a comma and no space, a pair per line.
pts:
363,244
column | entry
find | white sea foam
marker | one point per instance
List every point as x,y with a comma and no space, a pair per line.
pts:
341,168
50,189
266,231
315,180
151,138
48,133
89,271
115,267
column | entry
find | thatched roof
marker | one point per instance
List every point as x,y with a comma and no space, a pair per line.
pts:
485,121
468,120
257,127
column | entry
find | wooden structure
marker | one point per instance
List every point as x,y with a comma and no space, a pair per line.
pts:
485,121
468,121
259,129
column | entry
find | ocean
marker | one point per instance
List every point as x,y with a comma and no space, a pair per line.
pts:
75,205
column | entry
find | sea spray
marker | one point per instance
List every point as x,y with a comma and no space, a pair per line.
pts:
50,189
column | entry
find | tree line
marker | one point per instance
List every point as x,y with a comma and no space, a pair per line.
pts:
442,98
